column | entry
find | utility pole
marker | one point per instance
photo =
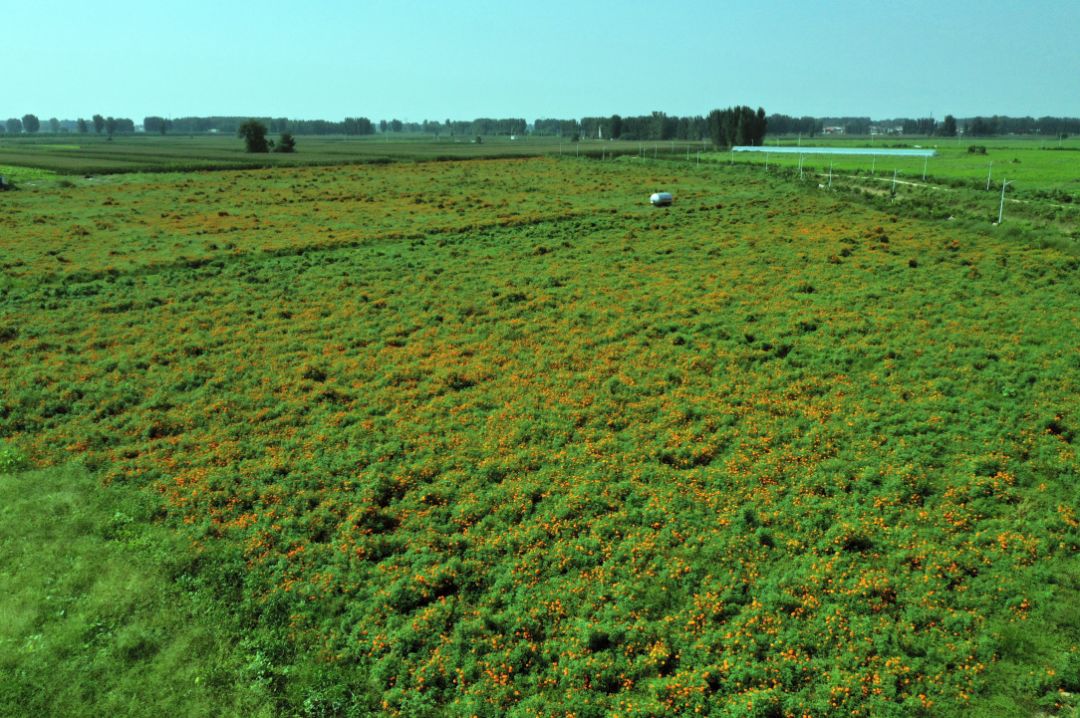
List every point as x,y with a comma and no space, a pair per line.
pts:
991,169
1001,209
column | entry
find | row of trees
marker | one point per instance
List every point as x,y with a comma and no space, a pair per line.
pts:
949,126
654,126
231,125
737,126
1001,125
156,125
31,125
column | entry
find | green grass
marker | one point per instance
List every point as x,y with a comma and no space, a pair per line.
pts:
94,617
1042,199
1032,164
19,174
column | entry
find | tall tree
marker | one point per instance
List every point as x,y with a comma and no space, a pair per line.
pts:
83,129
31,123
287,143
54,125
99,123
254,134
110,126
948,126
14,126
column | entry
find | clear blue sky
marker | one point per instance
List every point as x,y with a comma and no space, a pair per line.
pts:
432,60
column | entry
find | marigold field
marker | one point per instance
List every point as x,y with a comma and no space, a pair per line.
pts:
498,438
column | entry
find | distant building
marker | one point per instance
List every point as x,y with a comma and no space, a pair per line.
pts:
835,130
886,129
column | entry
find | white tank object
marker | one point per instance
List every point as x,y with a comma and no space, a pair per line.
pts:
661,199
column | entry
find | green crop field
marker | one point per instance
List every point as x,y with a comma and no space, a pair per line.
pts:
1033,164
497,437
132,153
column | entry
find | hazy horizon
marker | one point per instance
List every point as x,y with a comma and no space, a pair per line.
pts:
417,61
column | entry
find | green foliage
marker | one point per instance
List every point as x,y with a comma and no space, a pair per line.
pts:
11,459
254,134
17,175
737,126
287,143
948,126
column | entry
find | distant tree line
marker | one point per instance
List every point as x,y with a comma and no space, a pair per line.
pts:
722,128
119,125
787,125
231,125
1000,125
737,126
949,126
156,125
655,126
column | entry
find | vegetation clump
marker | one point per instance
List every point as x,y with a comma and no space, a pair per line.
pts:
286,143
254,134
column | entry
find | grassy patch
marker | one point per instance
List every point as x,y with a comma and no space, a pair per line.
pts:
93,620
18,174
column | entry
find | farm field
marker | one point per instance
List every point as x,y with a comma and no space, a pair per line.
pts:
1034,164
1030,163
65,155
498,438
